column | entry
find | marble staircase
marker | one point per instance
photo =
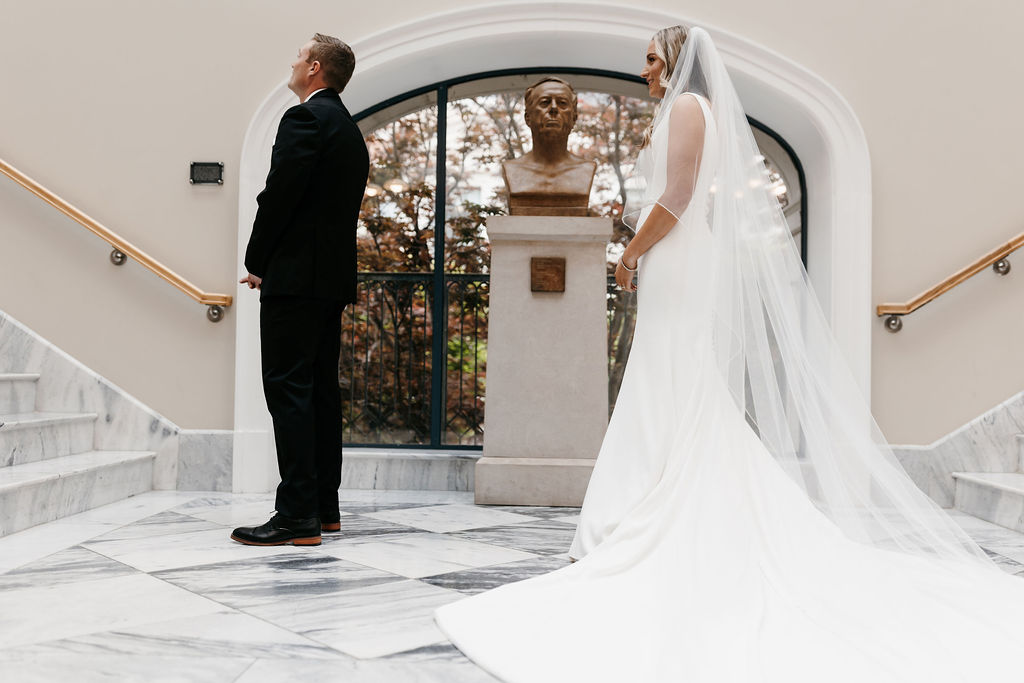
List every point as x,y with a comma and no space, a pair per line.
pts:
996,497
48,465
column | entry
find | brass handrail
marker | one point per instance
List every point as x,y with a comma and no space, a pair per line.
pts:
121,247
995,258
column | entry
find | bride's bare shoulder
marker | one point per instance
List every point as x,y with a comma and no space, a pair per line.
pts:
687,112
687,104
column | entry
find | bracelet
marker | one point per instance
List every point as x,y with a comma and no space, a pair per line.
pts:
631,270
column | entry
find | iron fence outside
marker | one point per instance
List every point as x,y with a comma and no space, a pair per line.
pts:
385,369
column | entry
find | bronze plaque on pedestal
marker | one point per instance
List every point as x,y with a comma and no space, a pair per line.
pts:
547,274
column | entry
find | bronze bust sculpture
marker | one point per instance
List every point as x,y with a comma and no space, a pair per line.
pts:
549,180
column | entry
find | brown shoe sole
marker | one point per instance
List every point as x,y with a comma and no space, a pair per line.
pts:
330,526
309,540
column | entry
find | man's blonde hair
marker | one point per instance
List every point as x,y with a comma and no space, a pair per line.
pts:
336,59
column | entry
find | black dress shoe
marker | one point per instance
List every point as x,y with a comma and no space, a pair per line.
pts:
280,530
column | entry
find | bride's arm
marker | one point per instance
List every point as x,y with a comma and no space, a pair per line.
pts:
685,141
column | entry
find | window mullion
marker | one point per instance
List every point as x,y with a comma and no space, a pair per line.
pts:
440,304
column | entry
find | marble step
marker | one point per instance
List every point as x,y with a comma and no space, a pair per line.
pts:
1020,452
997,497
29,437
17,392
46,490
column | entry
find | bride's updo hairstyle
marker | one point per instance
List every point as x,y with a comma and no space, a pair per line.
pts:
668,45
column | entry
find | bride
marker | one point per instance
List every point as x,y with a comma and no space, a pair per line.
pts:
746,520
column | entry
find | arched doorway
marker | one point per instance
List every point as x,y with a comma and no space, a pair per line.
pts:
804,110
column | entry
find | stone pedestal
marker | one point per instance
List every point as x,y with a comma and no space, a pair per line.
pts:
547,362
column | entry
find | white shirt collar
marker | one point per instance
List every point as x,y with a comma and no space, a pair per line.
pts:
312,93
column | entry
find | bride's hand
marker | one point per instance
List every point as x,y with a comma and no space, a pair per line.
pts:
623,277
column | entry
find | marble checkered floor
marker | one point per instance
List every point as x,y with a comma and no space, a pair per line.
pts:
151,588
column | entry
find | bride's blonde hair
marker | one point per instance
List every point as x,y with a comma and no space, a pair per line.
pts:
668,45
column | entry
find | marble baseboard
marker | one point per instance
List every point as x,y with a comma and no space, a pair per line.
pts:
382,468
44,491
986,444
205,460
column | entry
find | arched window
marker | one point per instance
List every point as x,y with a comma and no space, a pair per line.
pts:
414,347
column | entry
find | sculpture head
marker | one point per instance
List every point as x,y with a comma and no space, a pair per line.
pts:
549,180
551,108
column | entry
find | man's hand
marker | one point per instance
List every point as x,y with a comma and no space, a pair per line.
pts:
251,280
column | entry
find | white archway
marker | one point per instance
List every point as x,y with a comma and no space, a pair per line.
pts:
804,109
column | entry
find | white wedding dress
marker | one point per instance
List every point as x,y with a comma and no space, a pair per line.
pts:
702,561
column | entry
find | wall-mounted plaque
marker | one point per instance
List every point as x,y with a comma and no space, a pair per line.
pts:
547,274
206,173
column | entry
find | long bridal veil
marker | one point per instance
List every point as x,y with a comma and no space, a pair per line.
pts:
792,550
774,347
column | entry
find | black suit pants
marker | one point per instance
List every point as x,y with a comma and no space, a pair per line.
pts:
301,340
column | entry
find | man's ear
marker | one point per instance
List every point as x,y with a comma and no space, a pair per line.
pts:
314,68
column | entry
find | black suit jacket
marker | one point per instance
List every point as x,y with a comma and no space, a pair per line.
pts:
303,240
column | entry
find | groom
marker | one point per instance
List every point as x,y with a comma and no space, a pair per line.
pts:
302,257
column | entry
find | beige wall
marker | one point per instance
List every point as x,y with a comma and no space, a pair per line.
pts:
107,101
